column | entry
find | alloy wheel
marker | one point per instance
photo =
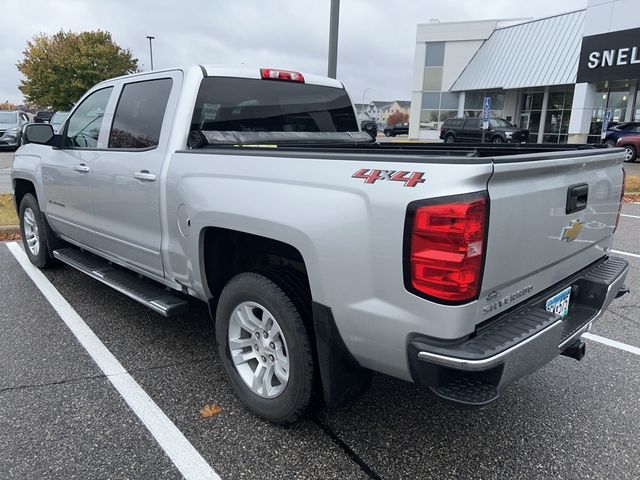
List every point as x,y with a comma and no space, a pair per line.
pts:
31,233
629,154
258,349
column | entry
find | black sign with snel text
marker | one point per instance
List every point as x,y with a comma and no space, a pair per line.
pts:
610,56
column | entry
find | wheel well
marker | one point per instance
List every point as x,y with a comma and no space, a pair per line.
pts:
229,252
21,188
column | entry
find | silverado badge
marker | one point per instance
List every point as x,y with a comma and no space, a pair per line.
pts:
572,231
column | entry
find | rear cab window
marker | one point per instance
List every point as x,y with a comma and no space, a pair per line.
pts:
256,105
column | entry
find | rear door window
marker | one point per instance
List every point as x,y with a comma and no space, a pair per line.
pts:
138,117
256,105
473,123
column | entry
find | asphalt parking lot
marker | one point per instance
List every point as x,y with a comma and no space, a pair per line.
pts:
61,417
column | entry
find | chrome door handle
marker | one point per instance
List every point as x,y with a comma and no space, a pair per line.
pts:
82,168
145,176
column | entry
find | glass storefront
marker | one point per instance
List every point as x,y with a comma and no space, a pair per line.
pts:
556,125
437,106
556,122
530,113
610,96
473,103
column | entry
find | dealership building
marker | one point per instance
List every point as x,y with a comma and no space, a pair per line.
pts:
559,76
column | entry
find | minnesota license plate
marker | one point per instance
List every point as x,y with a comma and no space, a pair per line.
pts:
559,303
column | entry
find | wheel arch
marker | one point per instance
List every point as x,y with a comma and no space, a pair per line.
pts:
21,187
227,252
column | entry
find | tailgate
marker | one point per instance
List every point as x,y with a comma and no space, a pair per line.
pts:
532,242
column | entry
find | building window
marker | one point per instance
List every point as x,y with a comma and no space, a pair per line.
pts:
437,106
473,103
610,96
556,125
530,113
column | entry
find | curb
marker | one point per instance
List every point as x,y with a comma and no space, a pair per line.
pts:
9,228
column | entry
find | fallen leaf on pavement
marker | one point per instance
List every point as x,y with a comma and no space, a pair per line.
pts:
210,410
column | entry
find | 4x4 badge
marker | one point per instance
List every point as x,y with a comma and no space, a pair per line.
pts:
410,179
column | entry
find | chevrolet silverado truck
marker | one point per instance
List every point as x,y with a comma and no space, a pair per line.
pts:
322,255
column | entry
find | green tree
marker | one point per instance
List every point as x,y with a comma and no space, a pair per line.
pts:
60,68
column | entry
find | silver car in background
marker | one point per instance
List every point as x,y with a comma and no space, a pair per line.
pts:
11,124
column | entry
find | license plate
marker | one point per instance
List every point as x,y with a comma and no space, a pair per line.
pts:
559,303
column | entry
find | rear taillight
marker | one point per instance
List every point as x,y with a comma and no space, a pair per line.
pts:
624,183
446,247
286,75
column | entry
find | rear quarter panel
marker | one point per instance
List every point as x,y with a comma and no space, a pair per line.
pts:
349,233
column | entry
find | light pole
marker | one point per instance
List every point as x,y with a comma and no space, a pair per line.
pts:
334,16
151,49
363,94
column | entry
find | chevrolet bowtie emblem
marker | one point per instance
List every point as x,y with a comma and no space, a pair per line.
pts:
571,232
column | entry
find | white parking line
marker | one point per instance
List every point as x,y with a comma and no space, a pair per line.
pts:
620,252
630,216
612,343
183,455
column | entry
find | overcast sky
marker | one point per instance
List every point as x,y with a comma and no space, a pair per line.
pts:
376,42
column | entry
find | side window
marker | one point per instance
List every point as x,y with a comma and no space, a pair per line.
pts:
84,125
473,123
138,117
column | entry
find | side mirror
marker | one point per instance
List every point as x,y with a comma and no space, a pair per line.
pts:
39,133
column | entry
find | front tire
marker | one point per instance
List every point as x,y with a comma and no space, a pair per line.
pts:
265,347
33,232
497,140
610,143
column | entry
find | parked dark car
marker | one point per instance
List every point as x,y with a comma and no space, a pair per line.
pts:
469,129
43,116
11,125
631,145
397,129
368,125
615,132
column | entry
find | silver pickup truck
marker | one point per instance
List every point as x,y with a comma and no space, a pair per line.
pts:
324,256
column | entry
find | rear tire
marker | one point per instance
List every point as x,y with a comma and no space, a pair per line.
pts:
449,138
497,139
630,153
610,143
32,228
273,374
